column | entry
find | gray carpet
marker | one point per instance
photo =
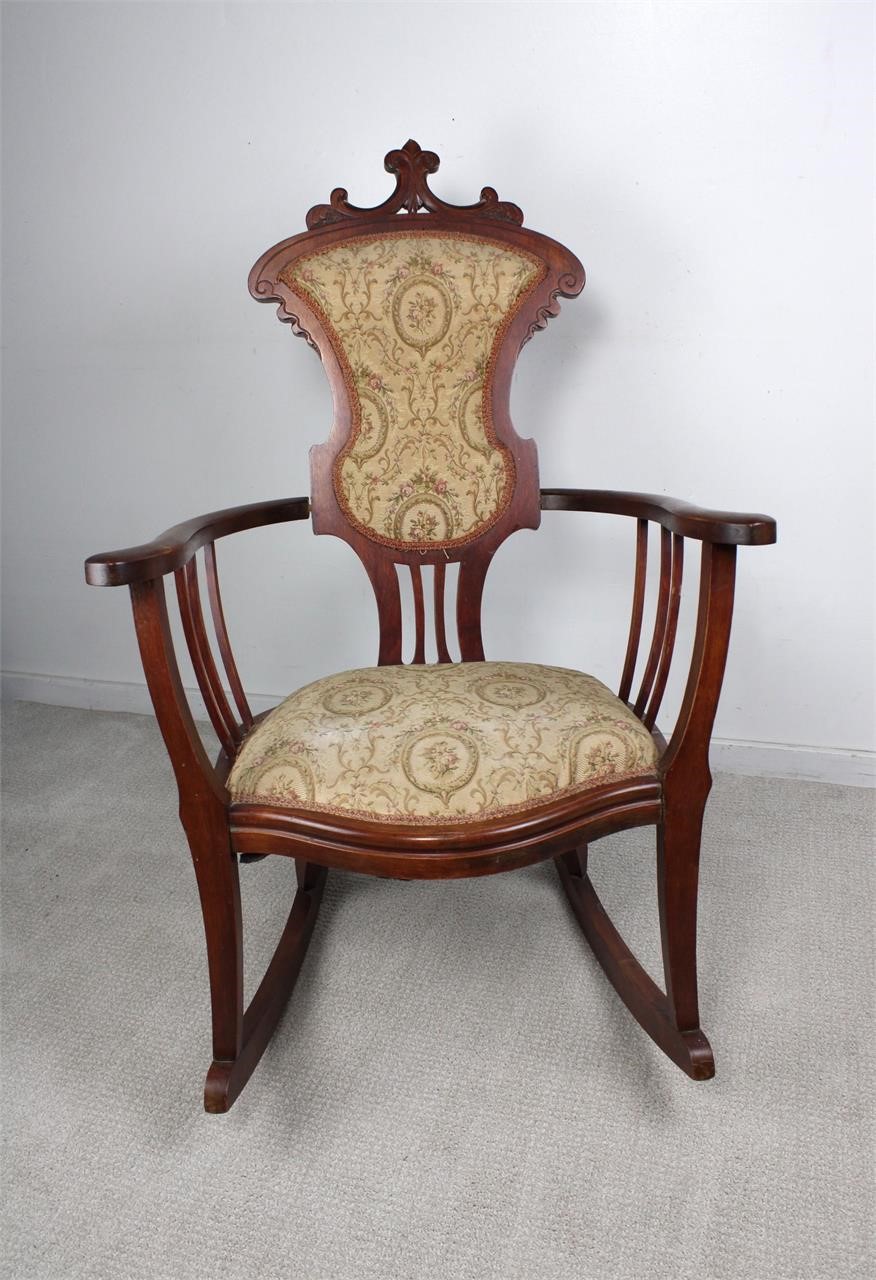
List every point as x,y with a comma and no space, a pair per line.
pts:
455,1090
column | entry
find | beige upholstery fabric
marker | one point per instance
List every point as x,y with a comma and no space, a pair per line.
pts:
415,319
450,743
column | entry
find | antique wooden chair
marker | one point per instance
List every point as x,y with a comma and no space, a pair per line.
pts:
418,309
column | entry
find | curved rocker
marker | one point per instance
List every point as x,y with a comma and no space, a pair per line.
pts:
227,1077
654,1012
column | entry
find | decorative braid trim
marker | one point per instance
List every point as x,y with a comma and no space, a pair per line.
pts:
442,820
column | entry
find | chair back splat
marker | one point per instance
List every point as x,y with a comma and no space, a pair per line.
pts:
418,309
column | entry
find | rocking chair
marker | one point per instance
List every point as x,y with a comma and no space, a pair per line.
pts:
418,309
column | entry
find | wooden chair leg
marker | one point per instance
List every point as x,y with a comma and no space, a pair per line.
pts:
219,888
240,1038
678,859
671,1020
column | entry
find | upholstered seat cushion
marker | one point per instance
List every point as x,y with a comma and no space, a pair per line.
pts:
448,743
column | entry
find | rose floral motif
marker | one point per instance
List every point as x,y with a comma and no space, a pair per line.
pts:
355,696
352,698
441,758
513,692
421,309
423,526
602,759
418,524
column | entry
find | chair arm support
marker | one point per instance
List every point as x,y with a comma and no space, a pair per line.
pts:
201,789
175,547
725,527
685,762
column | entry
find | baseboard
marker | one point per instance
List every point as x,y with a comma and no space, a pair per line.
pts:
102,695
760,759
786,760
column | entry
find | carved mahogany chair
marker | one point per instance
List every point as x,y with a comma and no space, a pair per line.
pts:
418,309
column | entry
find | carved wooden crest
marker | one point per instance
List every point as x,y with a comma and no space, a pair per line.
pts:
411,166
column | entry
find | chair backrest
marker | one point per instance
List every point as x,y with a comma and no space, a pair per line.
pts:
418,310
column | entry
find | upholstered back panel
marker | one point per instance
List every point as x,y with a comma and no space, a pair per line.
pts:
415,320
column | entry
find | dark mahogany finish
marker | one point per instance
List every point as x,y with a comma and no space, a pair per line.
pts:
672,799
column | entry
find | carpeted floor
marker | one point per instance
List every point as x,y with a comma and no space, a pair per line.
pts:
455,1091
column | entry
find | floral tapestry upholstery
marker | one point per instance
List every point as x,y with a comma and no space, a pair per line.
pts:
415,320
449,743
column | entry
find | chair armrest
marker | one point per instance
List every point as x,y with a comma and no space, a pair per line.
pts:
684,762
175,547
729,528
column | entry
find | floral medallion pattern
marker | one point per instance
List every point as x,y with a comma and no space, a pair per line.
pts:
416,320
449,743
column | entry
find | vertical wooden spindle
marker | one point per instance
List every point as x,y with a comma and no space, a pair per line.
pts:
440,626
660,620
419,615
638,609
671,629
189,596
222,636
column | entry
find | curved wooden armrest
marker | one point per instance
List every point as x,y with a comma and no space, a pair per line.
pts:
729,528
175,547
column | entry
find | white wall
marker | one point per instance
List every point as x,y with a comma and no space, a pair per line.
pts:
711,165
